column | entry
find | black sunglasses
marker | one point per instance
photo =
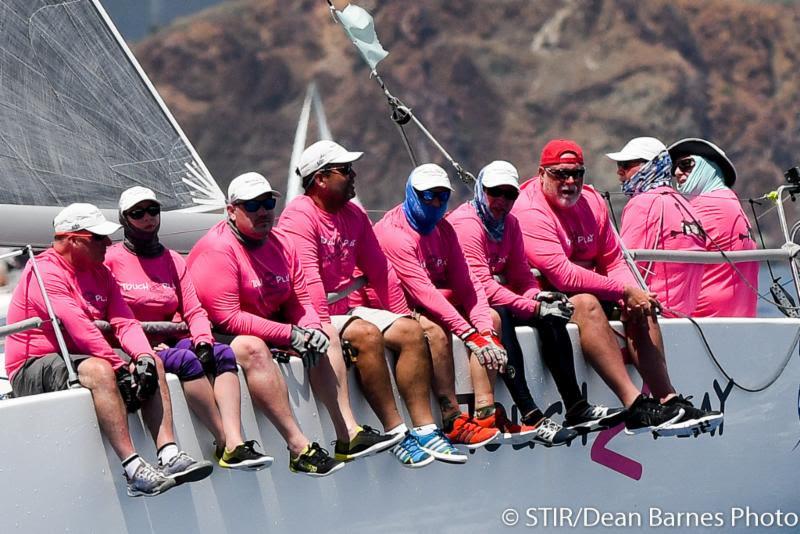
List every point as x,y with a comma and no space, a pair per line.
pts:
497,192
563,174
345,169
428,196
686,165
252,206
625,165
139,213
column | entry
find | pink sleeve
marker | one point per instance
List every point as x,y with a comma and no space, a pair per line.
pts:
216,278
298,308
609,256
192,312
472,238
464,284
372,261
402,253
545,252
299,228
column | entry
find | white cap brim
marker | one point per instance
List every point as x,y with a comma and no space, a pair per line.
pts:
106,228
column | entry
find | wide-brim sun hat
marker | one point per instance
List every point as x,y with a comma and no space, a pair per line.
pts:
694,146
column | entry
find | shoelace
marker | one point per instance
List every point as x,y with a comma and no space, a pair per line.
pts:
312,457
369,430
148,473
250,447
549,428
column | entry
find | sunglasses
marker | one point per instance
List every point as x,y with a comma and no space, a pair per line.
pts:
428,196
564,174
139,213
88,235
252,206
686,165
625,165
345,169
497,192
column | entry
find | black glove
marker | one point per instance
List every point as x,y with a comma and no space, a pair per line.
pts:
146,375
558,311
205,353
308,343
127,389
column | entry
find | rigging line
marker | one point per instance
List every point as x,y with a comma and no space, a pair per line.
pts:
761,236
722,370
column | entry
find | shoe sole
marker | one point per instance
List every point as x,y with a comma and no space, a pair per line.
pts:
248,465
318,475
375,449
599,424
426,462
653,429
162,489
690,428
197,472
473,446
446,458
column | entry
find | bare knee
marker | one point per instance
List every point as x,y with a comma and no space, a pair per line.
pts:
496,322
405,333
97,373
252,353
438,338
365,336
587,306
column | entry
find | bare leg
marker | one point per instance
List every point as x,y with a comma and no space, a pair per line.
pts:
96,375
229,399
444,375
329,380
157,411
483,378
599,346
373,371
413,369
268,389
200,398
646,349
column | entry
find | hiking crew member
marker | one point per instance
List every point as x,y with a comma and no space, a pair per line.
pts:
335,242
253,288
658,218
705,176
425,253
568,238
492,242
157,287
82,290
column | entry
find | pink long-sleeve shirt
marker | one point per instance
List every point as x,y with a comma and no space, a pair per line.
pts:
257,291
488,258
723,293
78,297
331,247
575,249
159,289
427,264
661,219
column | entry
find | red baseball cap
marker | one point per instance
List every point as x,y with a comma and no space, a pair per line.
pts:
561,151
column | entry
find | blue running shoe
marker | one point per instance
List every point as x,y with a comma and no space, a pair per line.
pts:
410,454
437,445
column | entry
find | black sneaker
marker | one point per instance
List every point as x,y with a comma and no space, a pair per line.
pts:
368,441
587,417
647,415
244,457
694,421
314,462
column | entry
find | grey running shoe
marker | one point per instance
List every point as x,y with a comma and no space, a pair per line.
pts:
183,468
694,421
147,481
589,418
551,434
648,415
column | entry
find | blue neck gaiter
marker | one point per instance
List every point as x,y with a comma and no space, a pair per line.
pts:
422,217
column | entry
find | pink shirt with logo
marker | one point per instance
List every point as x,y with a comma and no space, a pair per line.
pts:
723,293
257,291
78,297
575,249
159,289
335,247
506,258
661,219
428,264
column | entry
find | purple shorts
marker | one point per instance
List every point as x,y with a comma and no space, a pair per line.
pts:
181,360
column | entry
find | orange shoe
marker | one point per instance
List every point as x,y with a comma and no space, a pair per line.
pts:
509,432
466,432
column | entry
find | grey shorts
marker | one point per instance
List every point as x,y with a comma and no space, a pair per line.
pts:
382,319
42,374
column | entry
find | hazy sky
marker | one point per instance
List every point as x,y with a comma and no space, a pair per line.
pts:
134,18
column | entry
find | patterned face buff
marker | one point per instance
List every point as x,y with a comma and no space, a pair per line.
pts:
654,173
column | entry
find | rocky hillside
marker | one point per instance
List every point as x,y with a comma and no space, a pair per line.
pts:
493,79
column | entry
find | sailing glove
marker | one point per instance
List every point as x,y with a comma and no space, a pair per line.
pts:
145,374
310,343
127,389
554,307
490,353
205,353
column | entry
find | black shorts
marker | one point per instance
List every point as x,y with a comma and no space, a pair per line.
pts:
43,374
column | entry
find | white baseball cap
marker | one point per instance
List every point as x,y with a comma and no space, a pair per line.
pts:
76,217
429,176
248,186
324,153
499,173
130,197
645,148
